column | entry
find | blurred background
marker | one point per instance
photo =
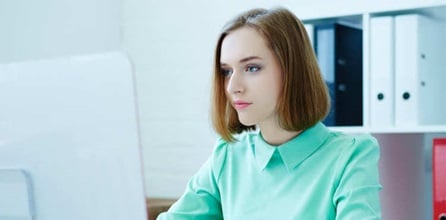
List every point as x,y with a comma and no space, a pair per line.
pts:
171,47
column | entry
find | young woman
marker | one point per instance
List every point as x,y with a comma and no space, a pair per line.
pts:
275,159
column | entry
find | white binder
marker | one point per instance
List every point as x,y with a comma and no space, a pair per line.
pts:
418,74
382,71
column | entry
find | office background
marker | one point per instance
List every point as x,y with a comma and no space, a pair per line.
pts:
171,44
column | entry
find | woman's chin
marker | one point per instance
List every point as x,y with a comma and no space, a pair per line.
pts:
246,122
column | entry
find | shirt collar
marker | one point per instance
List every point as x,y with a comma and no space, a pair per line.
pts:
292,152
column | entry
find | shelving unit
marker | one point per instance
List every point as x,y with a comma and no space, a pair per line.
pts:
362,20
405,163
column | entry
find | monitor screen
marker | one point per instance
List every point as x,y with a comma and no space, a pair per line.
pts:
71,125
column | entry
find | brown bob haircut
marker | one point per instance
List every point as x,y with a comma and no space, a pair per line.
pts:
304,98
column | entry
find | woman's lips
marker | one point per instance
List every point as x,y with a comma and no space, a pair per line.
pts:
239,105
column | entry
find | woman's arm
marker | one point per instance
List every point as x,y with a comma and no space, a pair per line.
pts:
357,194
201,200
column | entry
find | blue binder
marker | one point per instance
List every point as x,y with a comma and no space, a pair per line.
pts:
339,51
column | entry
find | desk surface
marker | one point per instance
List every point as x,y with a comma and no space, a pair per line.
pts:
155,206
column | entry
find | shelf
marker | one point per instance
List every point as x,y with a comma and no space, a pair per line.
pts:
391,130
349,20
348,8
437,12
415,129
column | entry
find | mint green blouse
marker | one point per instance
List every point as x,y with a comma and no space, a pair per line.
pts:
320,174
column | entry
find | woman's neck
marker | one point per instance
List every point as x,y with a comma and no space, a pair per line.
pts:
275,135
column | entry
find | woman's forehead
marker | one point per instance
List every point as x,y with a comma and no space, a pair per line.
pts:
243,43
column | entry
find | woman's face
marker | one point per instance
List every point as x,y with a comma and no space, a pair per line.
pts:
253,76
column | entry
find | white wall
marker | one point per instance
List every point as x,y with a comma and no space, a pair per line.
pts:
51,28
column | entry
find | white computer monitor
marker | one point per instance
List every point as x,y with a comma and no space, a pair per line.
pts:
69,125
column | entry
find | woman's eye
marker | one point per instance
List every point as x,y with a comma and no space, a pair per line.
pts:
252,68
226,72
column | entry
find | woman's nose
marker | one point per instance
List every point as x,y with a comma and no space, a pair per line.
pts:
235,83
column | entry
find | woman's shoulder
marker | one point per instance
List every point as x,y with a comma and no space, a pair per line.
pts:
352,141
233,150
241,141
350,146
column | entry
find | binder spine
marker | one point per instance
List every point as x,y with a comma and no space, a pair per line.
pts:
439,178
406,70
418,71
382,71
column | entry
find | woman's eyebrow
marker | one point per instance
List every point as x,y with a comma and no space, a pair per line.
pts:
244,60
